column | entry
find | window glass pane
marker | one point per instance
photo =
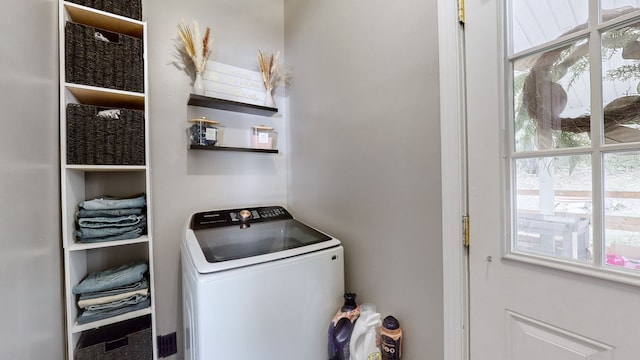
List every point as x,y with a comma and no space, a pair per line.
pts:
611,9
537,22
622,209
621,84
552,98
553,206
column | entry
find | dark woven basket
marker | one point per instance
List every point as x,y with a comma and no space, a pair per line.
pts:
97,140
129,340
116,64
128,8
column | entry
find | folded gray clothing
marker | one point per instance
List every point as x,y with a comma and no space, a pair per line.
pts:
82,213
139,285
106,222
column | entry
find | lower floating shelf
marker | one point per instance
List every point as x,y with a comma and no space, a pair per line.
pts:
229,148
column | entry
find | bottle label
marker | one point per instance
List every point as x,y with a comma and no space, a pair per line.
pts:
389,347
263,138
374,356
211,134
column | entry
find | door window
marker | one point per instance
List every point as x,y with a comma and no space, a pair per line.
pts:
573,146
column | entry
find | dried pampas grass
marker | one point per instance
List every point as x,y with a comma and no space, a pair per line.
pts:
273,73
196,47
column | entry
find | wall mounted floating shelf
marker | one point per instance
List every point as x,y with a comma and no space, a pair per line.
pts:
230,148
229,105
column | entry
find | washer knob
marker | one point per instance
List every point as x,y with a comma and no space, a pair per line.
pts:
244,215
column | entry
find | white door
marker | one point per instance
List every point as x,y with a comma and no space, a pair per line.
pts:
554,179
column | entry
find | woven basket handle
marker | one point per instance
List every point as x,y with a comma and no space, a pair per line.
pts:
116,344
113,37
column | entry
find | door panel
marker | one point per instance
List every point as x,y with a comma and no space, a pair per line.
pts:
534,340
527,310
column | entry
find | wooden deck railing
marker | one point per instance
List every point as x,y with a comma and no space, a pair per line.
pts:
626,223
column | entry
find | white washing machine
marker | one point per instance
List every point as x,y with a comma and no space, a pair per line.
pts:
258,284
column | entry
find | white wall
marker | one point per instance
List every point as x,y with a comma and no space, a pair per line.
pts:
31,311
185,181
365,150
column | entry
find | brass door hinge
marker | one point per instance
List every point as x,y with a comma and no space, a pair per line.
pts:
465,231
461,14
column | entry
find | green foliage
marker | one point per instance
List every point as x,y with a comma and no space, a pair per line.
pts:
622,162
566,140
624,72
619,38
525,128
577,69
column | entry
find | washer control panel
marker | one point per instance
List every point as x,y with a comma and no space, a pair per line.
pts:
230,217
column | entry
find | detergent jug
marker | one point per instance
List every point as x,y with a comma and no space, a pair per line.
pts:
364,339
341,327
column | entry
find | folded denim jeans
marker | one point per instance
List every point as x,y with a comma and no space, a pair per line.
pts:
86,233
126,236
112,278
106,222
82,213
106,202
139,285
90,316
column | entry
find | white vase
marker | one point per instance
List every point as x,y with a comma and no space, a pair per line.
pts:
198,84
268,99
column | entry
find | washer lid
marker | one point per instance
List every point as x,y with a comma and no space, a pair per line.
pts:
236,242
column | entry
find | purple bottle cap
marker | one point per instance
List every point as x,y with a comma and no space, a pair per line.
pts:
349,302
390,323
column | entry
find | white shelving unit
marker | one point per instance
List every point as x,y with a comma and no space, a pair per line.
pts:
82,182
